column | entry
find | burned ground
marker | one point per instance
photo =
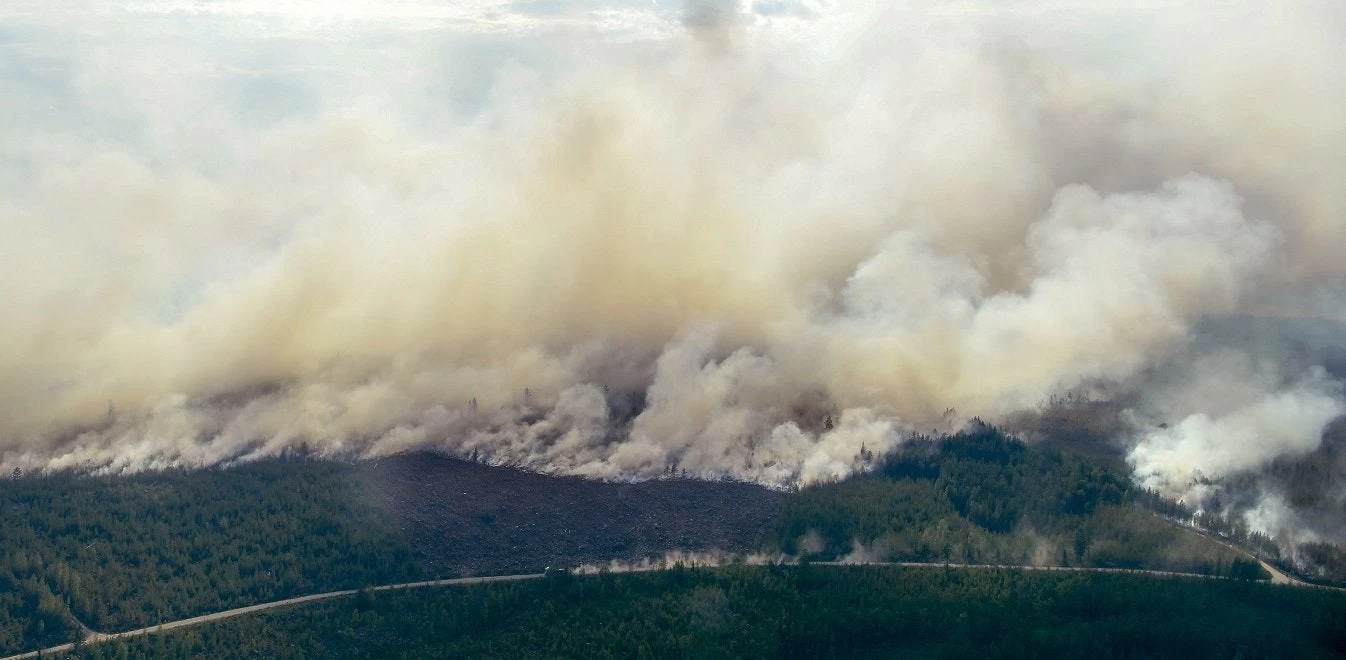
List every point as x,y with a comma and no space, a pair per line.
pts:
466,518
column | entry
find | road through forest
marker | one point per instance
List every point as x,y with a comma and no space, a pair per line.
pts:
92,637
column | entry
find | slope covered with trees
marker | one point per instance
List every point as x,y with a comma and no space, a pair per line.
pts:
120,553
985,497
115,553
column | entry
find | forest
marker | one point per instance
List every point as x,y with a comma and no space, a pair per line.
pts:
125,552
985,497
805,611
116,553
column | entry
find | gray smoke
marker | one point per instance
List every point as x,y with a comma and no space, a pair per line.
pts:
580,240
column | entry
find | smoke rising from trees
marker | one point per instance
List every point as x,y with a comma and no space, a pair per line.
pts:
690,234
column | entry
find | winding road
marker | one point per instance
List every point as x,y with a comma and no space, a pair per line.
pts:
92,637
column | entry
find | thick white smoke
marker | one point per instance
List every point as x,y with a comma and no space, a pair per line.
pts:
744,239
1287,422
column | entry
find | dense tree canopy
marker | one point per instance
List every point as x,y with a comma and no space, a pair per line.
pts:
985,497
791,612
119,553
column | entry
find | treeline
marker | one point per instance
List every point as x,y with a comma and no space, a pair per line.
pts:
985,497
1214,522
788,612
1326,562
125,552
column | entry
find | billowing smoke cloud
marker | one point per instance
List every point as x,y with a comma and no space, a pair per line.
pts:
579,240
1288,422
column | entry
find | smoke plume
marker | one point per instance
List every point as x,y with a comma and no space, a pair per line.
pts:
741,239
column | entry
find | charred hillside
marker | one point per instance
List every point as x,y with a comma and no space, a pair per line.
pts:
466,518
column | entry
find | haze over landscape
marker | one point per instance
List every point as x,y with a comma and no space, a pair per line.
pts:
724,239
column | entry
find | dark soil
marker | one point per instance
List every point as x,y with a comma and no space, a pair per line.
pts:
465,518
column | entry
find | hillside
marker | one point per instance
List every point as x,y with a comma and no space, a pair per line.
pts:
465,518
116,553
985,497
122,552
